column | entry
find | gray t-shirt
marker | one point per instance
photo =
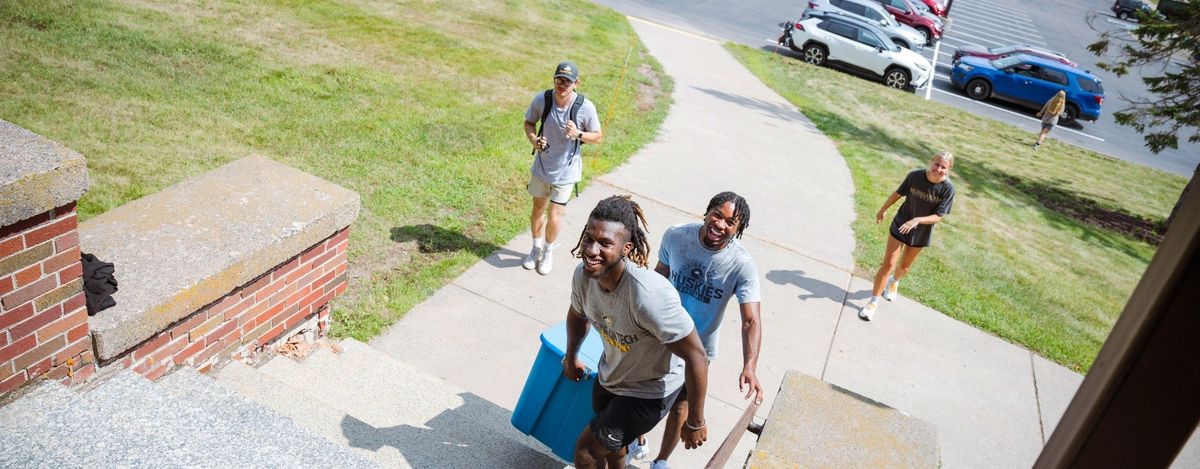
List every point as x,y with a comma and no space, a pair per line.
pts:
706,280
636,322
560,162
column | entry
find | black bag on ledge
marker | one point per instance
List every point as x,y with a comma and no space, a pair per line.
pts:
99,283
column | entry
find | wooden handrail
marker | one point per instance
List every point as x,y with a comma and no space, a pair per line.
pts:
744,424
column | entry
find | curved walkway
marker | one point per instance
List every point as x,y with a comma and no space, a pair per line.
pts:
993,403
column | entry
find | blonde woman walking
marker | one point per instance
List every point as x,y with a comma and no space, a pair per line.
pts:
1049,114
928,196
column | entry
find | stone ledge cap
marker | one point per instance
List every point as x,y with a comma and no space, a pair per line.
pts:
36,174
816,424
181,249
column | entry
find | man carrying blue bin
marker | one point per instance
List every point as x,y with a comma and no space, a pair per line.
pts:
647,335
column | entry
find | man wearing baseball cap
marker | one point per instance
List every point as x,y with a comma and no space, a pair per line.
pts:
567,120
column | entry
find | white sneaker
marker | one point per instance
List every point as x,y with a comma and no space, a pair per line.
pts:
890,292
547,261
532,259
637,450
660,464
868,311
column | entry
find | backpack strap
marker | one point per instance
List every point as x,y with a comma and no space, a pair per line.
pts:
575,112
547,101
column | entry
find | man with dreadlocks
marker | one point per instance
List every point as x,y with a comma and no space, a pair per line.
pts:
708,266
648,338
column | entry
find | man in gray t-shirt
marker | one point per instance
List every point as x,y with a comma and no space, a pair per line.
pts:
708,266
557,164
645,333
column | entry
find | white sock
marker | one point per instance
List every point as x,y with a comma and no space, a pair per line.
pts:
875,299
539,242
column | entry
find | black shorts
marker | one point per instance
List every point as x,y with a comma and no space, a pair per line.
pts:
906,239
621,419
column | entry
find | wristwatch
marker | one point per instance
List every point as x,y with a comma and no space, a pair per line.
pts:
580,136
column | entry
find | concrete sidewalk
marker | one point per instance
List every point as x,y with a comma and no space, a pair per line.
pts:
993,403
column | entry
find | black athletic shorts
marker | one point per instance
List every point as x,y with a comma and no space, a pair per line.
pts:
621,419
907,239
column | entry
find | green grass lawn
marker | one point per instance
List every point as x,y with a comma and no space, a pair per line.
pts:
1012,258
417,106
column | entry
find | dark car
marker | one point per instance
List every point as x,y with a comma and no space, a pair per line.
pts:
1030,81
1128,9
1005,51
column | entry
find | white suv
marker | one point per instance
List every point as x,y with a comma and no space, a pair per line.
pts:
860,47
872,13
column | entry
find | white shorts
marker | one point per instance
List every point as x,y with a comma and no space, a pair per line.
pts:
558,193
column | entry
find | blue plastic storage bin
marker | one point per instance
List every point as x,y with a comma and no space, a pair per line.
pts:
553,409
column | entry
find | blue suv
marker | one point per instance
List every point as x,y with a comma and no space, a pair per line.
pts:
1030,81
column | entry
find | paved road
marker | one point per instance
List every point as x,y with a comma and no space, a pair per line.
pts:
985,22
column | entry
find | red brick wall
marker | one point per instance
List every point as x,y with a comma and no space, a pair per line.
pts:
252,315
43,317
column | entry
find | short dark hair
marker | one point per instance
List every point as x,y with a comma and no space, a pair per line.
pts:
622,209
741,209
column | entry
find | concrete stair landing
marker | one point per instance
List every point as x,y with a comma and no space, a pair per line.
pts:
128,421
387,411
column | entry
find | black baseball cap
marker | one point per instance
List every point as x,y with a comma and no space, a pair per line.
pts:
567,70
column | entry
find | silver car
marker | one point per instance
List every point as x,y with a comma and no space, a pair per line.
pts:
901,34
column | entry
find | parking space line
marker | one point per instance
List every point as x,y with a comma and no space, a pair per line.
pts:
970,26
964,41
981,10
991,18
995,40
974,17
964,98
960,33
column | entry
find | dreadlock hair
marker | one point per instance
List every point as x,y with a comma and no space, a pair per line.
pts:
622,209
741,210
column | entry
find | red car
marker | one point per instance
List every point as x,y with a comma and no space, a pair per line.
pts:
915,16
938,8
1005,51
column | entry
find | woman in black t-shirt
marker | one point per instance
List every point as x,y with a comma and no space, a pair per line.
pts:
928,195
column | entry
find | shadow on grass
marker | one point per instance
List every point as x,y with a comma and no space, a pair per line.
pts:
1064,210
434,239
475,434
873,136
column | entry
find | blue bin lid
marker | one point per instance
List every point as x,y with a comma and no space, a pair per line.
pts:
555,338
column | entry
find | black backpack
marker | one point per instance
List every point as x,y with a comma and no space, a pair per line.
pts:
547,102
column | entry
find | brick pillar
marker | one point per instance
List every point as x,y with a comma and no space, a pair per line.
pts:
43,318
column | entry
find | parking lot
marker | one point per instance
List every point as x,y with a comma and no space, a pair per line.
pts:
1059,26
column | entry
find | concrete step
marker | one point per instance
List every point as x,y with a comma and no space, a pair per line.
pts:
273,440
19,451
394,408
73,429
159,428
307,412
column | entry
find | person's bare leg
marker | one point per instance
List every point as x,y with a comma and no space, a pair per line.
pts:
537,220
906,261
589,453
616,459
891,256
556,214
1042,135
673,428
